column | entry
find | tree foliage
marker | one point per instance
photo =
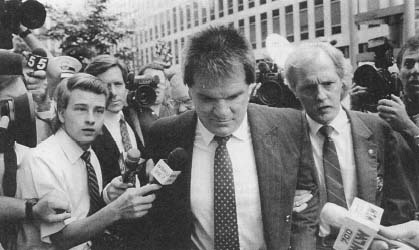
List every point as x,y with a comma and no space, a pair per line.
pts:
84,35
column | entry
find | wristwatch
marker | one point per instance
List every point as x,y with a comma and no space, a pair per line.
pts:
25,33
29,208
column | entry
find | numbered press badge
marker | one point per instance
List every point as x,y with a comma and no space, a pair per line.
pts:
36,62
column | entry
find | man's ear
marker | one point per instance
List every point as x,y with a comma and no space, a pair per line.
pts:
60,114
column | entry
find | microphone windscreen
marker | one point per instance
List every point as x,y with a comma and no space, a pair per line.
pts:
39,52
177,159
133,155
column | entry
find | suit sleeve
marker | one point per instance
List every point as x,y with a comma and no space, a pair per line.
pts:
305,224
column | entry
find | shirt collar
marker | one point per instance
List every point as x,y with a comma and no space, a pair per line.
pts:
239,134
338,123
71,149
111,117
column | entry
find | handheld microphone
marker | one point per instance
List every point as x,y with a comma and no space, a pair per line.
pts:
358,227
166,173
131,165
38,60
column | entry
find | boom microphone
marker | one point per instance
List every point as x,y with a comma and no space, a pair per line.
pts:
166,173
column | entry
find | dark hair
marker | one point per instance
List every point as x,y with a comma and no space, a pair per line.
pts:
215,51
80,81
103,63
411,44
154,66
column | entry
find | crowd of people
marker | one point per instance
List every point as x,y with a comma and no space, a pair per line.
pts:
254,177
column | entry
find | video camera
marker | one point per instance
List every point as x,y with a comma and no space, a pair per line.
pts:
379,81
272,92
30,14
142,90
21,113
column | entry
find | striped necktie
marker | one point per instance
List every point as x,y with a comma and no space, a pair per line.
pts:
226,235
92,183
333,177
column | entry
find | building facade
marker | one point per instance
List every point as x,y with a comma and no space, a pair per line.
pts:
296,20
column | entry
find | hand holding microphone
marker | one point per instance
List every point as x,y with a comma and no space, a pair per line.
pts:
359,228
166,173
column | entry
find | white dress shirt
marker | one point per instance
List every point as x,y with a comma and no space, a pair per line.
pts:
111,122
249,215
342,137
56,165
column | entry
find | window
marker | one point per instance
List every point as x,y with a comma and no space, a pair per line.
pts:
141,36
151,34
363,47
176,52
240,5
319,18
373,4
181,18
345,50
261,2
162,24
174,20
335,14
289,23
212,9
230,7
146,56
195,14
252,28
241,26
231,24
275,21
251,3
142,57
204,15
156,27
168,22
188,16
220,8
303,21
263,28
182,42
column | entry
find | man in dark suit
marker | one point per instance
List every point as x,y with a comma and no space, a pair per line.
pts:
354,153
112,145
236,190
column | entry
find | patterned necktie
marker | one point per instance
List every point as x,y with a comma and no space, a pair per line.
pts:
92,183
331,167
226,235
126,142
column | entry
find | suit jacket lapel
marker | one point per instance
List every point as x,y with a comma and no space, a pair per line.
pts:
269,165
365,154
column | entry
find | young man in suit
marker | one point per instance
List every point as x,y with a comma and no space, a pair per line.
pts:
354,153
236,190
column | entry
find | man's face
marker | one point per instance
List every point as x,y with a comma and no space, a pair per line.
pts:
117,91
319,88
82,119
409,73
182,104
161,87
11,88
221,104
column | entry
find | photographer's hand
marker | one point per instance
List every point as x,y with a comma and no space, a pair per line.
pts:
394,112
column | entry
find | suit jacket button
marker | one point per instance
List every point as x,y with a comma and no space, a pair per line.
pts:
287,218
371,152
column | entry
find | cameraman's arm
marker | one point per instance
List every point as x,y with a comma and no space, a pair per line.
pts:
394,112
31,40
